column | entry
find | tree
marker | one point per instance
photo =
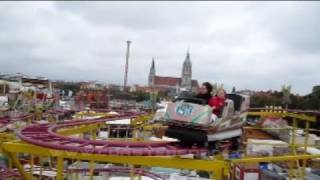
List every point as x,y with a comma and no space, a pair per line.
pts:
312,101
286,91
141,96
262,99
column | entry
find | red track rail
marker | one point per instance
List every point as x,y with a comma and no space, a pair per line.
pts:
6,173
4,121
45,135
138,171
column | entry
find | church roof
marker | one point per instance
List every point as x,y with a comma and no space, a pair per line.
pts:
170,81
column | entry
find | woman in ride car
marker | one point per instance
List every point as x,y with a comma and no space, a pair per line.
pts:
205,92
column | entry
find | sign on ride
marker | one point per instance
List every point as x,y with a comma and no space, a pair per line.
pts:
184,112
184,109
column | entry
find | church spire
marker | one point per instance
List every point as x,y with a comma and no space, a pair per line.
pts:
152,73
188,55
187,72
152,65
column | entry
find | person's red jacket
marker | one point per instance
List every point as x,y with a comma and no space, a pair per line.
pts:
217,104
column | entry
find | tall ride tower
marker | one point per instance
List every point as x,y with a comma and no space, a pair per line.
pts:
126,66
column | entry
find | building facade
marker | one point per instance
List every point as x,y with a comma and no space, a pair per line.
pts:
174,84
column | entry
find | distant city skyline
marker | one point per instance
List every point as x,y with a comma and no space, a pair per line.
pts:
249,45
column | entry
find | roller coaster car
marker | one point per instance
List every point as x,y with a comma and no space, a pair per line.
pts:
190,120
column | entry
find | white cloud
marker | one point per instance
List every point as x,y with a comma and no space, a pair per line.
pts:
256,45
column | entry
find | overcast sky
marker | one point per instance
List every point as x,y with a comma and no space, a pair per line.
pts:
250,45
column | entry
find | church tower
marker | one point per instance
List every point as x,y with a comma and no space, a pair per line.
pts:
152,74
186,77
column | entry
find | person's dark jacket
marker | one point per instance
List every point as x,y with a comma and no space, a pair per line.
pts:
205,97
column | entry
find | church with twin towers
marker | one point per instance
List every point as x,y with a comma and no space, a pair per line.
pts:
174,84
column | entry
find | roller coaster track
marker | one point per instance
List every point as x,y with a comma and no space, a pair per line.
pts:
6,173
313,113
46,135
137,171
43,139
4,121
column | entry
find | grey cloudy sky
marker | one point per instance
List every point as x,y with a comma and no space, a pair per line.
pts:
253,45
